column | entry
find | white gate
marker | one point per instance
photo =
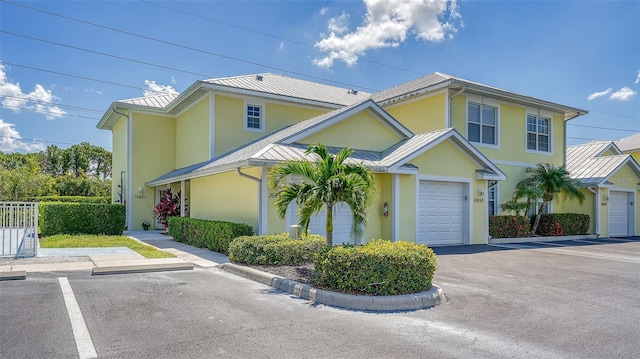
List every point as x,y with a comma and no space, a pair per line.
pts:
19,229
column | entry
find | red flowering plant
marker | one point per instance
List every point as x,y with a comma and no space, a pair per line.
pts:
169,206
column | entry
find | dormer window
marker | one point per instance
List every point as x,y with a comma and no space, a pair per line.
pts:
254,117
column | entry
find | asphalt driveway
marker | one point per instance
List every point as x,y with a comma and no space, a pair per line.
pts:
561,300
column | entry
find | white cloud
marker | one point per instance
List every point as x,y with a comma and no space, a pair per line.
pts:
624,94
91,90
339,24
173,80
11,141
39,100
388,23
595,95
637,78
324,10
281,46
154,89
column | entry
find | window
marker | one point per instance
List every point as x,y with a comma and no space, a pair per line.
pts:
481,124
535,206
492,200
254,118
538,133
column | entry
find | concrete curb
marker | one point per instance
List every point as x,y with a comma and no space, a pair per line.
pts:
17,275
541,239
141,268
422,300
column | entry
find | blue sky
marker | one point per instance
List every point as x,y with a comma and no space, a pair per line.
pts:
64,62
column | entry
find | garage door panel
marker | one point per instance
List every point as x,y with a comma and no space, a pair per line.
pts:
342,222
441,211
619,209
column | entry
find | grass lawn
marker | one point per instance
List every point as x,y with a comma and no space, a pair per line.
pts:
85,240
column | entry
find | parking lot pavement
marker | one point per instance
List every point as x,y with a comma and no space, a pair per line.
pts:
530,301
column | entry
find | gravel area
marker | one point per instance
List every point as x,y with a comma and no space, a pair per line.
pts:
42,260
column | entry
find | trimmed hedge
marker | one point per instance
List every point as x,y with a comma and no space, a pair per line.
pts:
81,218
275,249
509,226
376,268
562,224
214,235
74,199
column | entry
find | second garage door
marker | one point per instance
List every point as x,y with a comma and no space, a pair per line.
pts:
440,213
618,214
342,222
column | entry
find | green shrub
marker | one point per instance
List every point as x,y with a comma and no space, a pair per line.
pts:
214,235
563,224
376,268
74,199
275,249
509,226
81,218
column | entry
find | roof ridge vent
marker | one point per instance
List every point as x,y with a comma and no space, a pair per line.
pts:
259,77
352,92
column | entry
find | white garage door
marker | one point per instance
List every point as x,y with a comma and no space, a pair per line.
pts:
440,213
342,222
618,214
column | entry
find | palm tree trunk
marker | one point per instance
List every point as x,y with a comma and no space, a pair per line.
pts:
329,227
538,216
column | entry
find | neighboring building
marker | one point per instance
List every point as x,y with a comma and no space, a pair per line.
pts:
630,145
445,151
611,185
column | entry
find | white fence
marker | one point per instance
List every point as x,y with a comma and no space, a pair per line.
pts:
18,229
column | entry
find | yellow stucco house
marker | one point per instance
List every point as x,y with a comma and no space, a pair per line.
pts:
630,145
445,151
611,185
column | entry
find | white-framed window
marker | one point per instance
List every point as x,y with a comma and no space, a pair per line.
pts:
535,205
492,200
482,124
254,116
538,133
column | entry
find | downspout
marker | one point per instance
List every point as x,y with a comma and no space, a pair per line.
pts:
596,211
259,196
449,122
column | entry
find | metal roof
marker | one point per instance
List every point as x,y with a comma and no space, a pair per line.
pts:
160,101
268,83
587,163
630,143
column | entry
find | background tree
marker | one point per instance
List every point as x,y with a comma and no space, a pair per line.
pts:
550,180
328,180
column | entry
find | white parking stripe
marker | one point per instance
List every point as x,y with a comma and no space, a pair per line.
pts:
574,252
84,343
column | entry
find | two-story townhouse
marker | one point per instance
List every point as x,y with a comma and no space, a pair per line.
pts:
438,147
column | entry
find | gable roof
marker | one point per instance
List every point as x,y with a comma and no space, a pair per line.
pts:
629,143
438,80
266,85
281,146
587,164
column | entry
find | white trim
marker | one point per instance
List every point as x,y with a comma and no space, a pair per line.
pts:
447,109
129,172
395,203
483,101
418,98
467,210
540,114
263,114
513,163
263,202
182,200
212,125
486,211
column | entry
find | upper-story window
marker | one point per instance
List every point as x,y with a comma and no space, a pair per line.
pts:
482,124
538,133
254,117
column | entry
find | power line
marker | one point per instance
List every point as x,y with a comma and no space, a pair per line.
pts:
51,112
185,47
272,36
604,128
104,54
615,114
54,104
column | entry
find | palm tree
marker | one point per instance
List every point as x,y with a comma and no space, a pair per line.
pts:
550,180
327,182
524,191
